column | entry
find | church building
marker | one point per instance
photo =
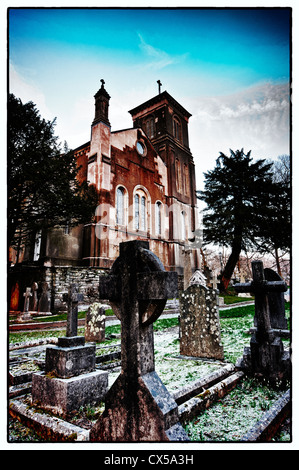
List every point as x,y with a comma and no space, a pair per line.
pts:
145,179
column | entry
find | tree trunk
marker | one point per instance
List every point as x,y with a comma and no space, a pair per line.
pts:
277,262
230,266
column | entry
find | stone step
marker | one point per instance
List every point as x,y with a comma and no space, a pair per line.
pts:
49,427
198,386
205,399
21,389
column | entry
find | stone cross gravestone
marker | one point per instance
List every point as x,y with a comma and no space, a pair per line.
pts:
25,315
27,296
72,298
266,356
70,379
44,301
199,323
95,323
138,406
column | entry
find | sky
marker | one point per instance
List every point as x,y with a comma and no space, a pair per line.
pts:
230,68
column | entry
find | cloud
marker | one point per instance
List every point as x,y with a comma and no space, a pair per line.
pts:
256,119
159,59
27,91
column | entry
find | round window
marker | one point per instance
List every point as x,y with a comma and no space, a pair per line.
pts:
141,149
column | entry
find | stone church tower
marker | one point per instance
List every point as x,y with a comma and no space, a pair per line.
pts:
165,122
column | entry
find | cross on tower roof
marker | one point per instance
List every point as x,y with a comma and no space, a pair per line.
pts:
159,84
103,82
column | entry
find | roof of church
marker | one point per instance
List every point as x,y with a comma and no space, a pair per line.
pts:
156,99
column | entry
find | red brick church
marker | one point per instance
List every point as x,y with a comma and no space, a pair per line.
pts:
145,177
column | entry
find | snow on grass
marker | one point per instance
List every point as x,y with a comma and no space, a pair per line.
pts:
173,371
231,417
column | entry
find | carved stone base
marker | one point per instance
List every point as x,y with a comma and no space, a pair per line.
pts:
266,359
146,412
62,396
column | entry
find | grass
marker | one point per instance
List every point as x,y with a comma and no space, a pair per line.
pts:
231,417
233,299
58,317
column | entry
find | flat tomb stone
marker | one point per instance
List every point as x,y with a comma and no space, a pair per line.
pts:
62,396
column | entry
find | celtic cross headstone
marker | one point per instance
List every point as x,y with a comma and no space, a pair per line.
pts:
266,356
138,406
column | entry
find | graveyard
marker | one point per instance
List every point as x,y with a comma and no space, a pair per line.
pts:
153,363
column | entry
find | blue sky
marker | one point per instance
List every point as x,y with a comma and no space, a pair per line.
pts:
230,68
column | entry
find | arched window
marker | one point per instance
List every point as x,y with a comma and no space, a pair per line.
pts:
143,214
141,210
120,206
158,217
176,128
137,222
150,127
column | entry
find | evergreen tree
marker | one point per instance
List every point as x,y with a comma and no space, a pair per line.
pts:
43,190
276,234
238,195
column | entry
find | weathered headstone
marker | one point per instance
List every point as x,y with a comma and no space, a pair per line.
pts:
95,323
242,280
33,303
25,315
138,406
200,334
266,356
44,301
70,379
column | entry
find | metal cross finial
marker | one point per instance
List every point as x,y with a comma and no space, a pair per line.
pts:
159,84
103,82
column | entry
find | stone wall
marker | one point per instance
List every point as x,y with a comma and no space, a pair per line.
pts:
58,278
